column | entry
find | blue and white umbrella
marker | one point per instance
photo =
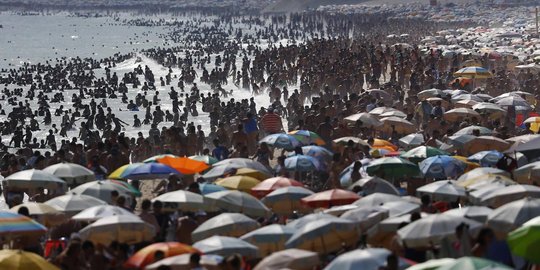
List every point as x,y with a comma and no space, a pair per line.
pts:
345,175
441,167
281,140
317,152
302,163
486,158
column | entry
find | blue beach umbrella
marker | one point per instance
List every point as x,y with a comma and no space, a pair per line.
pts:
441,167
302,163
150,171
207,188
486,158
282,140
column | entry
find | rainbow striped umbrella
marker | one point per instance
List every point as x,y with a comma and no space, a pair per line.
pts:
307,137
12,223
473,72
143,171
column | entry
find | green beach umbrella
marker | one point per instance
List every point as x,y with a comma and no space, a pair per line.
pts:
473,263
525,241
392,167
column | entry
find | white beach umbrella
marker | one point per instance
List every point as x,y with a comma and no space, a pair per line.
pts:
127,229
72,204
226,224
182,200
512,215
226,246
33,179
101,211
71,173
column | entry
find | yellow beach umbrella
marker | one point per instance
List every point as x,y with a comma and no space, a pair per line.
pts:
21,260
238,182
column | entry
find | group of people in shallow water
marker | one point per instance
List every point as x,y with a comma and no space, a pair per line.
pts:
315,79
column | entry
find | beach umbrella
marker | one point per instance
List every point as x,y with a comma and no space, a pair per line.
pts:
238,182
489,108
339,210
432,229
465,103
374,184
367,119
444,190
182,262
481,174
460,113
269,239
265,187
395,113
236,201
147,171
207,188
398,208
302,163
345,177
145,256
131,189
226,224
72,204
383,233
383,144
425,94
22,260
184,165
12,224
205,158
460,140
486,158
431,264
36,209
528,174
508,194
380,110
307,137
366,218
33,179
71,173
422,152
101,189
281,140
465,97
379,93
123,170
329,198
286,200
525,241
369,258
476,195
412,140
474,263
377,153
355,140
473,72
392,167
289,259
441,167
304,220
156,157
252,173
101,211
324,236
478,213
470,131
318,152
486,143
469,165
129,229
377,199
512,215
232,165
400,125
181,200
226,246
514,101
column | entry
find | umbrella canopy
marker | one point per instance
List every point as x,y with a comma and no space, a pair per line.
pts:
460,114
145,256
422,152
525,241
377,199
134,191
226,224
289,259
307,137
432,229
370,258
473,263
400,125
124,170
281,140
366,218
345,141
460,140
431,264
486,143
252,173
471,129
238,182
339,210
286,200
101,189
329,198
101,211
324,236
156,157
182,262
481,174
366,119
71,173
181,200
425,94
346,176
36,209
206,159
207,188
392,167
397,208
236,201
489,108
265,187
383,144
478,213
528,174
22,260
514,101
144,171
441,167
412,140
127,229
473,72
304,220
233,164
269,239
15,224
508,194
302,163
33,179
226,246
395,113
486,158
184,165
512,215
444,190
374,184
318,152
72,204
